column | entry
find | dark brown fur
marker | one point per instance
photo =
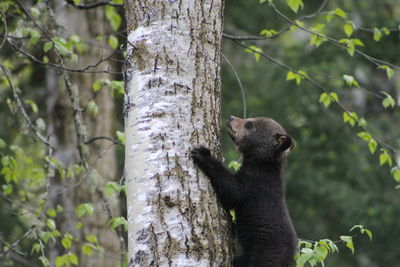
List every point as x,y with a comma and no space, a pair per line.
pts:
256,191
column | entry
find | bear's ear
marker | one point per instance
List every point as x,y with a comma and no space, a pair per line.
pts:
285,142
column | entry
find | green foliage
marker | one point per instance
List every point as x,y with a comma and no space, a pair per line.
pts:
235,165
296,76
268,33
389,70
295,5
348,29
255,51
83,209
113,17
66,260
362,230
118,221
350,118
385,158
351,44
112,188
318,38
388,101
348,240
113,42
350,80
92,108
66,242
326,98
377,34
120,136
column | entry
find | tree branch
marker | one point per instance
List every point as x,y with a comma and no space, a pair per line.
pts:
22,109
94,5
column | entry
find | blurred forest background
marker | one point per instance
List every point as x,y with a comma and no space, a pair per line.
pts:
333,181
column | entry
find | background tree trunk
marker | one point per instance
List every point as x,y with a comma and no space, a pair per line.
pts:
172,104
87,24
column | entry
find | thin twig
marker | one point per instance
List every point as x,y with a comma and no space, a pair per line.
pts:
94,5
239,82
371,59
96,138
285,29
316,84
22,109
77,117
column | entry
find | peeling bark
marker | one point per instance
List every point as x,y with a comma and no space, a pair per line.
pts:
172,104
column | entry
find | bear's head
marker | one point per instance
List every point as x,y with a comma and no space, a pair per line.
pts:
260,139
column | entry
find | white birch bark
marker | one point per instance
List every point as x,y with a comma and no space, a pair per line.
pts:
172,104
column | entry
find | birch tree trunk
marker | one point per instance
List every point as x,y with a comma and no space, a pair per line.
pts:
172,104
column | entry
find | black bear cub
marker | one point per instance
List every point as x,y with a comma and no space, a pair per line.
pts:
256,191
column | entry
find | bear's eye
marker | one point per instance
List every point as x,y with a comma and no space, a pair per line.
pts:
248,125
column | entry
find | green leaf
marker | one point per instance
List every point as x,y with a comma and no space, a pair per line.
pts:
339,12
113,17
372,145
321,252
87,249
235,165
35,12
33,105
233,215
121,136
369,233
83,209
385,30
35,248
350,80
384,157
298,77
350,117
389,70
113,42
268,33
91,239
2,143
396,173
98,84
92,107
362,122
117,88
73,258
47,46
255,51
44,261
51,224
388,101
365,136
334,97
66,242
295,5
111,188
52,212
118,221
75,39
325,99
303,259
348,29
349,242
377,34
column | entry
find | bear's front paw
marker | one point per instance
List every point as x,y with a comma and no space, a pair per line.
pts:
200,153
